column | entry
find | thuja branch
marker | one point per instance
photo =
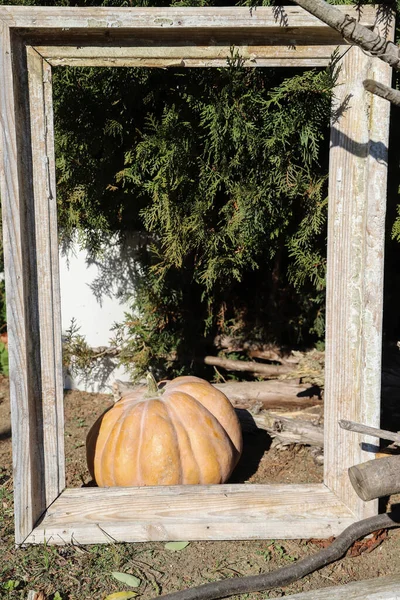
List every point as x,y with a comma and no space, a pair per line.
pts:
286,575
353,31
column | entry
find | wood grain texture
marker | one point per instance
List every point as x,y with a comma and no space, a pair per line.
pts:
55,358
270,394
99,515
192,56
161,63
171,18
246,366
176,37
27,508
29,245
48,288
21,288
356,225
381,588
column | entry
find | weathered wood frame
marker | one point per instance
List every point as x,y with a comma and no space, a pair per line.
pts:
32,41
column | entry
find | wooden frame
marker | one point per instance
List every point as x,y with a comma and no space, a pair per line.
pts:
32,41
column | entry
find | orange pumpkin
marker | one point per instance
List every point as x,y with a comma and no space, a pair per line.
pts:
185,433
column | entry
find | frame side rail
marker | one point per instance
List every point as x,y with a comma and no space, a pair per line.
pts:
29,504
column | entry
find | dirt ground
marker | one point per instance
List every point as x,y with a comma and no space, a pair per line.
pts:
73,572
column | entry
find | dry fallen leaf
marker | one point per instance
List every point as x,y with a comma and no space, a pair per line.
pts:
175,546
130,580
120,596
368,544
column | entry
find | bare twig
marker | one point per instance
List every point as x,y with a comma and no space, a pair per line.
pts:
380,433
103,351
245,366
384,91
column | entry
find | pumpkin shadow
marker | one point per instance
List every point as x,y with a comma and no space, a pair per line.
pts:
255,443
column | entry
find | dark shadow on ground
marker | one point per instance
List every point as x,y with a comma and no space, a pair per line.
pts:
255,444
5,434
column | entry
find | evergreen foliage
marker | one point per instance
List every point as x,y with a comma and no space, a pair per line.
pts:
223,169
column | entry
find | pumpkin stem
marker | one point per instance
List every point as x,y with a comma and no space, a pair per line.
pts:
152,387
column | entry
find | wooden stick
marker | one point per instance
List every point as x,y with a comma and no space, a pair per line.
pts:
354,32
384,91
359,428
254,349
246,366
270,394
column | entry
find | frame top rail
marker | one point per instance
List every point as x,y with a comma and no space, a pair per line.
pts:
171,18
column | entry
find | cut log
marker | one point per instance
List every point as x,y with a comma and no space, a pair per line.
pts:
283,430
376,478
271,394
246,366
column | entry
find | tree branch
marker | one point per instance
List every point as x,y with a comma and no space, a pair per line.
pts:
353,31
246,366
359,35
374,431
384,91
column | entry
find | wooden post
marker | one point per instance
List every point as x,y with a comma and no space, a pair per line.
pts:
356,226
31,271
48,285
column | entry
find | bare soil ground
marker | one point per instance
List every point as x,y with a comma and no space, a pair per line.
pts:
73,572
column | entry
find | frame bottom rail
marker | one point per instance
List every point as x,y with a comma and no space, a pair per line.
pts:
223,512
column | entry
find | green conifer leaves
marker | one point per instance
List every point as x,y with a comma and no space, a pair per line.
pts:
225,169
